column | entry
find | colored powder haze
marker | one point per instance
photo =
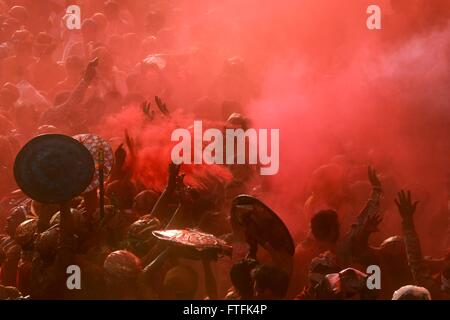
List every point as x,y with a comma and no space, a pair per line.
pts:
338,92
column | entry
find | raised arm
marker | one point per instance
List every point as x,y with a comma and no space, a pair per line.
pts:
367,221
406,208
161,208
77,95
63,112
372,206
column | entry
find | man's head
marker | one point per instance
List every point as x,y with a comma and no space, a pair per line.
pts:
144,201
122,268
325,226
18,215
89,30
322,265
25,233
23,42
100,20
270,282
154,21
327,183
180,283
106,61
393,252
9,94
121,193
9,26
411,292
241,277
43,44
236,121
140,236
112,10
20,13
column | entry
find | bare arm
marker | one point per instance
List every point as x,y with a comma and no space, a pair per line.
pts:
416,261
367,220
63,111
373,204
77,95
160,210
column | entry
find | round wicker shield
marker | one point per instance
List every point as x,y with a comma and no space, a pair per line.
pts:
53,168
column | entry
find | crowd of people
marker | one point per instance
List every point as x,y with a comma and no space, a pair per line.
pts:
59,80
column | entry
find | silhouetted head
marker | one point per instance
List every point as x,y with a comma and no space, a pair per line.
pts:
9,94
320,266
325,226
20,13
25,233
393,253
105,62
100,20
180,283
17,216
144,201
122,268
111,10
89,30
121,193
154,21
241,277
44,44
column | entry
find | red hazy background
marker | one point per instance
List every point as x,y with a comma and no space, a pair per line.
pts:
340,94
337,91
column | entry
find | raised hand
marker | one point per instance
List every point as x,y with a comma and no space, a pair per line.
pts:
146,109
373,178
129,142
120,154
372,223
90,72
162,106
405,205
174,170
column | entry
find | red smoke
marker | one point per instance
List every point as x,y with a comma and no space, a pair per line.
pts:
152,142
335,89
377,97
